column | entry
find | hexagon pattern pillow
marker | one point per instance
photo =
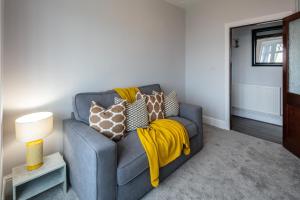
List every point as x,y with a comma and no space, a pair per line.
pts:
154,105
109,122
136,114
171,105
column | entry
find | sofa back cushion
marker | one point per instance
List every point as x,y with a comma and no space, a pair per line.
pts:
82,102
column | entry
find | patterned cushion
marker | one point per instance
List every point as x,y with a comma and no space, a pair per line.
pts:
154,105
110,122
171,105
136,114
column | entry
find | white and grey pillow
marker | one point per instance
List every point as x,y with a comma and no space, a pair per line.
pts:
171,105
136,114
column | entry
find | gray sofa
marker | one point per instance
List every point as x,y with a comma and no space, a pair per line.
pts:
100,169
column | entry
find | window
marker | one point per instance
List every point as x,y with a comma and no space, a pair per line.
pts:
267,47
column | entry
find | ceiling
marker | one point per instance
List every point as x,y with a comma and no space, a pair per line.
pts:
179,3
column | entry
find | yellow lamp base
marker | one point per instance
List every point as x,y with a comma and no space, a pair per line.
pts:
34,155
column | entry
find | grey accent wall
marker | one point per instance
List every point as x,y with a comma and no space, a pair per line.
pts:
242,69
205,46
54,49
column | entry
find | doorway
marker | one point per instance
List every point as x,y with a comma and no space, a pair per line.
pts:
256,80
291,100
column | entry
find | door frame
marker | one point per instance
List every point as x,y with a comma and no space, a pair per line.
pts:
288,98
228,27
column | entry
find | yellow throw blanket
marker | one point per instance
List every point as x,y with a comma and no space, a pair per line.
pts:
163,142
127,93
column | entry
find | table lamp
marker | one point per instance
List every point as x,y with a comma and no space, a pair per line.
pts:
32,129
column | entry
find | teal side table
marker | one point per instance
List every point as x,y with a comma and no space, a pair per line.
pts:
27,184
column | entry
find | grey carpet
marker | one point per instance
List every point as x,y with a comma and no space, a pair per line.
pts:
230,166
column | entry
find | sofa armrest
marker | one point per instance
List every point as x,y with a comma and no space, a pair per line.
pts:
193,113
92,161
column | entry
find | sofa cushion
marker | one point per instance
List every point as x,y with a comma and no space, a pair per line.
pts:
136,114
155,104
132,159
109,122
171,104
82,101
189,125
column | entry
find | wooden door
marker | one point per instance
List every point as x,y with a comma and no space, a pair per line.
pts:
291,84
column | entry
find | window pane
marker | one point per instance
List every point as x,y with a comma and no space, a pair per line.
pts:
279,57
294,57
269,50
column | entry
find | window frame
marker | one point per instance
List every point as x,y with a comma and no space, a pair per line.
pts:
255,37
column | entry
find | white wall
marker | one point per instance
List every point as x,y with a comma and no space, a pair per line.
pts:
205,46
242,69
1,116
57,48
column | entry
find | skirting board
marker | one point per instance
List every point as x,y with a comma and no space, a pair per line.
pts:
215,122
264,117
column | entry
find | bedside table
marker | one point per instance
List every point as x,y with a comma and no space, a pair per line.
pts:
27,184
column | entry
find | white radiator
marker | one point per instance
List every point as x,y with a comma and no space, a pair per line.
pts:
263,99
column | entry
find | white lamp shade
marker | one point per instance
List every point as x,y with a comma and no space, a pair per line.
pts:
34,126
